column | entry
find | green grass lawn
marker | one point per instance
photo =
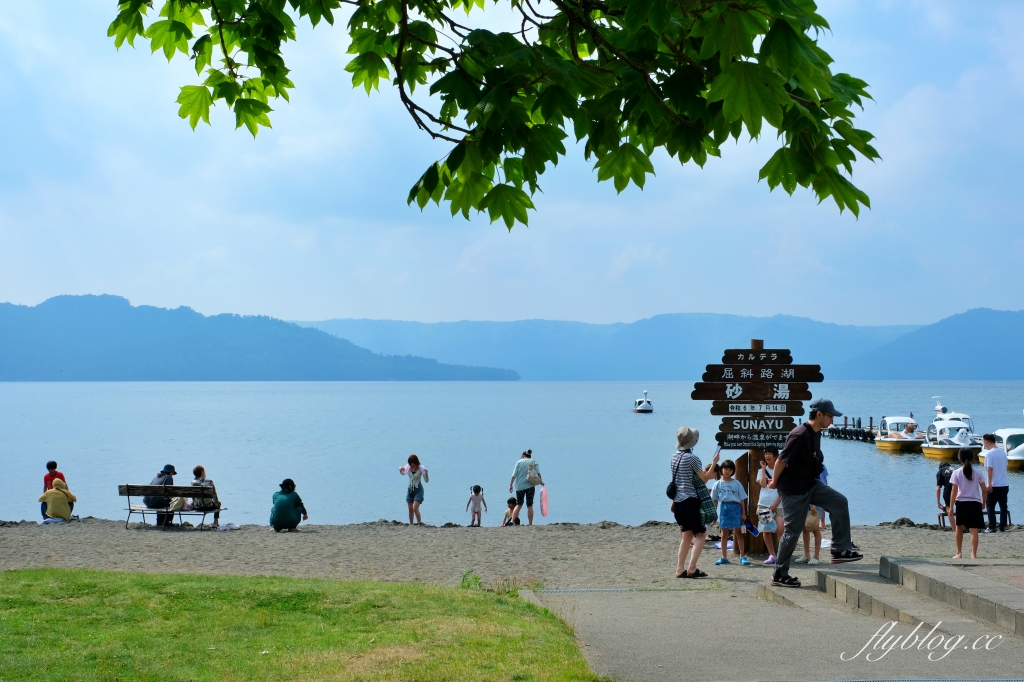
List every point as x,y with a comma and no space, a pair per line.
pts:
93,625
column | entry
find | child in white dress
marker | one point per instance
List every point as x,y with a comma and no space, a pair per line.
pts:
475,501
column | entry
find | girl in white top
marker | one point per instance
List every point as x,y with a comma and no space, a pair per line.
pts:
967,499
768,504
475,501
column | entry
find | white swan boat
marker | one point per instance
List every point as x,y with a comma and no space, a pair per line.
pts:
949,432
643,405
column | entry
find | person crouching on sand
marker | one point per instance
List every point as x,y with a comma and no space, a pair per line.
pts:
510,519
58,501
414,497
288,508
476,499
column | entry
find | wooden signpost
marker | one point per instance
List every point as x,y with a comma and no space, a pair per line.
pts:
749,392
758,391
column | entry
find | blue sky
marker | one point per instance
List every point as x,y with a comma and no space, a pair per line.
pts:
103,189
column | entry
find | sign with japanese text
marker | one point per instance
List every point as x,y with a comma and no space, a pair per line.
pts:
802,373
749,392
756,424
765,356
790,408
746,441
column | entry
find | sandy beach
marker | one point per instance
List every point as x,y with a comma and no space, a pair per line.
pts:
563,556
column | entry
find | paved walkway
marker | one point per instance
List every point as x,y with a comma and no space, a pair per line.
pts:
729,634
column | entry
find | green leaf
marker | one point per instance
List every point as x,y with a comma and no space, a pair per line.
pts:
788,168
750,92
467,192
508,203
790,50
195,101
202,52
251,113
729,32
367,69
169,35
624,164
829,183
128,24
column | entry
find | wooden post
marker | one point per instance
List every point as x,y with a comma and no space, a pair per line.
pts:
753,460
741,476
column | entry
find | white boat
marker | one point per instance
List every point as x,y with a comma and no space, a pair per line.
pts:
1012,441
643,405
949,432
893,437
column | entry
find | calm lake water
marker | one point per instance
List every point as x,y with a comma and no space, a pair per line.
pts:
343,443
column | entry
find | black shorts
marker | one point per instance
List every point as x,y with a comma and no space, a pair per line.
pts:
688,517
969,514
528,494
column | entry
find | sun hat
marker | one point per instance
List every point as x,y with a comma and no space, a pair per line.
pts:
686,437
169,469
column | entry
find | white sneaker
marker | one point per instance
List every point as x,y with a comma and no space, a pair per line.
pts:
800,560
813,562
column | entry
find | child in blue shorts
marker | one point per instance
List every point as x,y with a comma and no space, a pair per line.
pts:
730,495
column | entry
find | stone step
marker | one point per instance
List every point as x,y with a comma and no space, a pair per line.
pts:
947,582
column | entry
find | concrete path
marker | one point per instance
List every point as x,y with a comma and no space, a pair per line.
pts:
729,634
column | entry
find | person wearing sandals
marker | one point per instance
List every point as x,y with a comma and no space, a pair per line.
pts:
729,495
686,469
969,496
769,509
796,478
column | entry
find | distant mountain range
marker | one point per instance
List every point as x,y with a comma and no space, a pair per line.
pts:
978,344
105,338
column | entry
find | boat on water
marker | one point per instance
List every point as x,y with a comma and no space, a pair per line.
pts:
643,405
949,432
899,434
1012,441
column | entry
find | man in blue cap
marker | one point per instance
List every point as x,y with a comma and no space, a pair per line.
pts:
796,478
165,477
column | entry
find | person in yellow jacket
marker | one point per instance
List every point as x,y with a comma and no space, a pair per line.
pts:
58,501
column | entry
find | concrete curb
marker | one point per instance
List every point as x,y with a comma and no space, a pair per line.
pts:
980,597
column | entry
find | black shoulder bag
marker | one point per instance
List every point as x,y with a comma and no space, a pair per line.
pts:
672,488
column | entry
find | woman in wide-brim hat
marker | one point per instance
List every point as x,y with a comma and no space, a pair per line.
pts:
686,471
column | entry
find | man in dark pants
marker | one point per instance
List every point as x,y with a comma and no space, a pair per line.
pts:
796,478
998,484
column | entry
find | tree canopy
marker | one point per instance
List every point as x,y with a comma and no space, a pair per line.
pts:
626,77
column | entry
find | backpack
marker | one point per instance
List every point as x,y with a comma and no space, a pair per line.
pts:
532,477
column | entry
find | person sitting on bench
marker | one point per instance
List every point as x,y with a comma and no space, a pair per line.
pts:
165,477
205,503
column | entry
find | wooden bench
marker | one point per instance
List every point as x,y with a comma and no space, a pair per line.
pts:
169,491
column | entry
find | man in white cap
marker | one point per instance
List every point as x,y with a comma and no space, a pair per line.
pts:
796,478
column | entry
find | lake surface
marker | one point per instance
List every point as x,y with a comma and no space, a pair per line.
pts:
343,442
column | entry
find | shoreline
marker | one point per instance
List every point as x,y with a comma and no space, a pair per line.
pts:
605,555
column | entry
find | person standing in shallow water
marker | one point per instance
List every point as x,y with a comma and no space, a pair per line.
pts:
686,469
796,478
414,497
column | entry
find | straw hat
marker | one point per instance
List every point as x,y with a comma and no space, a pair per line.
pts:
686,437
